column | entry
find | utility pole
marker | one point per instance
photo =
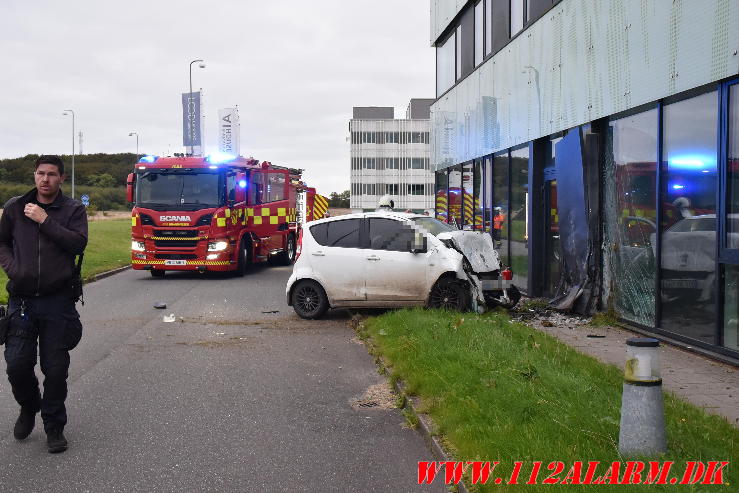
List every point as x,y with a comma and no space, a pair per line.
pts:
80,146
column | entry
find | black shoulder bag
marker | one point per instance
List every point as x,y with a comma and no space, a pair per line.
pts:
77,294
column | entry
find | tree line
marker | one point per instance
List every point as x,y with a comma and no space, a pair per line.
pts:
101,176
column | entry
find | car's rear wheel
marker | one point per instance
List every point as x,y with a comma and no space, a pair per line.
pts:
309,299
450,294
156,273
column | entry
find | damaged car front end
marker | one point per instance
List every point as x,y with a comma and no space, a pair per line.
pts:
475,263
490,286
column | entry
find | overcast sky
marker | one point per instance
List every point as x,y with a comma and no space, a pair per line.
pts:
295,68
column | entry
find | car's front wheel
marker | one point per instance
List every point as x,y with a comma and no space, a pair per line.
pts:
450,294
309,299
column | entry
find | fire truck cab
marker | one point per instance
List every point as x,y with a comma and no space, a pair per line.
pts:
215,213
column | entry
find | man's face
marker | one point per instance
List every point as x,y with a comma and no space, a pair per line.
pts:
48,180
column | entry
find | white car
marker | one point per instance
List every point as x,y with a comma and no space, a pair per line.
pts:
393,259
689,255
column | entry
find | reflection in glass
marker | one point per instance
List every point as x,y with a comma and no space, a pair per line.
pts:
689,218
500,205
455,196
479,33
441,199
630,213
477,205
553,253
468,204
445,65
488,26
488,202
516,16
458,65
732,172
731,307
519,211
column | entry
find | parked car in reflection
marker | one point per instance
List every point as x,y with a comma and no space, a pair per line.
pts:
689,256
392,259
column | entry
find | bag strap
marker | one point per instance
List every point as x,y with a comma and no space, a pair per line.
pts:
78,267
78,276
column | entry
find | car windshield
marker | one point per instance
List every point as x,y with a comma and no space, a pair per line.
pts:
433,226
185,191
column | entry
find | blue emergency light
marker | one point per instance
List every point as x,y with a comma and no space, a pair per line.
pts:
219,157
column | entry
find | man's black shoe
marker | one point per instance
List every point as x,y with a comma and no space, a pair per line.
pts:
24,424
55,441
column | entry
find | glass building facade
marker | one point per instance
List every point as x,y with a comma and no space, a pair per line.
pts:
605,184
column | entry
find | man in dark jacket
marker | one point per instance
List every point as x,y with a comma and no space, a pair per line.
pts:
41,233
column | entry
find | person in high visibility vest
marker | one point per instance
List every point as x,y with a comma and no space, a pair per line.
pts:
498,222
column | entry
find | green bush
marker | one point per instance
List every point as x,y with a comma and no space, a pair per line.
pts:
110,199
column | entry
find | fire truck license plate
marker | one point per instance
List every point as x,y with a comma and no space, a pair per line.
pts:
175,262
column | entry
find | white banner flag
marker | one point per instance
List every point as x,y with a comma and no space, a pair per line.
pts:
228,131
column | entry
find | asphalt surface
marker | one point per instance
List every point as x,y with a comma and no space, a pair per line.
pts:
229,397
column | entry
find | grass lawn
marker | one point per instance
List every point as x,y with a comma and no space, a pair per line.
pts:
108,247
502,391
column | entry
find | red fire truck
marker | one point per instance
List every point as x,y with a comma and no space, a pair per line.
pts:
218,213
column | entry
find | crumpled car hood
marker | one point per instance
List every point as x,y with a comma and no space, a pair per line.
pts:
478,248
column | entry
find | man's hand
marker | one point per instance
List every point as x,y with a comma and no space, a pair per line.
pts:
35,213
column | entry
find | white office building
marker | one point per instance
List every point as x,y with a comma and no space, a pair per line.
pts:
390,156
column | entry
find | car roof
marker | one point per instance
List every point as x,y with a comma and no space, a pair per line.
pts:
360,215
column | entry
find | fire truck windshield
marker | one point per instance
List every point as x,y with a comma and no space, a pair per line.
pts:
179,190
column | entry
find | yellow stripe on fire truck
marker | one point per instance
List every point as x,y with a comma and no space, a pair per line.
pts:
187,262
320,206
267,215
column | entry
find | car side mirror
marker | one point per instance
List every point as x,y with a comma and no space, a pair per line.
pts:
130,184
420,244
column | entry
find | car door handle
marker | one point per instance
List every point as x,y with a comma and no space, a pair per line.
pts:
373,257
318,254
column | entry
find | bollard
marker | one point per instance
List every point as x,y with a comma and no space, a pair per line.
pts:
642,410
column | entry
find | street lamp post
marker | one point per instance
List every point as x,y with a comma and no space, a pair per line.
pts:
137,143
66,112
190,112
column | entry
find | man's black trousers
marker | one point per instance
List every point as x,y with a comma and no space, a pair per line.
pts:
51,323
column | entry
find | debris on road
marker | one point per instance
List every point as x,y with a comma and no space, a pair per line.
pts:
378,396
160,305
169,318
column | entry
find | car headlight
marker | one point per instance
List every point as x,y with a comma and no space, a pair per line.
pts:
137,246
217,246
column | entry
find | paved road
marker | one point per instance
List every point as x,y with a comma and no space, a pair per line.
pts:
227,398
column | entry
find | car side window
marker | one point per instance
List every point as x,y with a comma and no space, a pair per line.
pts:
320,233
391,235
344,234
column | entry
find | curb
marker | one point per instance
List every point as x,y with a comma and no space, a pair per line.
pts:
425,429
424,426
107,273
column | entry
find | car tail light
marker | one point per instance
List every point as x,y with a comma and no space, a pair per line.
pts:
299,248
507,274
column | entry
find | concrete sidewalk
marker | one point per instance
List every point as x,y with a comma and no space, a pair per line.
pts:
709,384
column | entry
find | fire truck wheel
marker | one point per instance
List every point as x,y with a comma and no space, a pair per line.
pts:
244,258
156,273
309,299
287,257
